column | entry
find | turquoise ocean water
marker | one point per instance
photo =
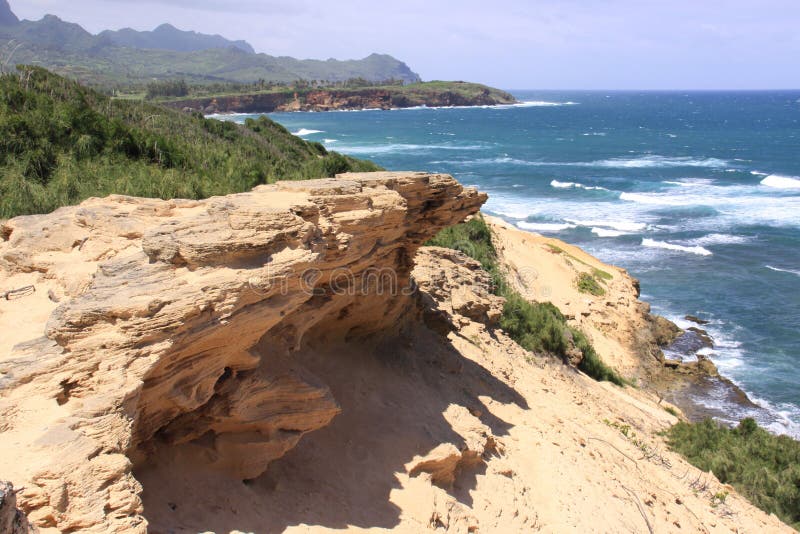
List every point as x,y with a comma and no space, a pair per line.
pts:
696,194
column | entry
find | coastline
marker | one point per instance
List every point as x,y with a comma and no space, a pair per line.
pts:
666,360
586,176
383,98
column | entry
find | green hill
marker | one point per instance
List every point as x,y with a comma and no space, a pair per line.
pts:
61,143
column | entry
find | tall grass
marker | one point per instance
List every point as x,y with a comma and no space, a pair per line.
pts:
61,143
763,467
536,326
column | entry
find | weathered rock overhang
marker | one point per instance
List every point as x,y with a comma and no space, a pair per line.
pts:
177,320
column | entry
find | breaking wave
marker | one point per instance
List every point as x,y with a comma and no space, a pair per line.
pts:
652,243
781,182
303,131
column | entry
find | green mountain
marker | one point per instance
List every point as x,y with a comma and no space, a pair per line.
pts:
7,17
168,37
61,142
128,57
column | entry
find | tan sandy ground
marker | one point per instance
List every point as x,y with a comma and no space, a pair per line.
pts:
560,463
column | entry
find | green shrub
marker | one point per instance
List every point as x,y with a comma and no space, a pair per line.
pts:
587,283
536,326
763,467
61,143
473,238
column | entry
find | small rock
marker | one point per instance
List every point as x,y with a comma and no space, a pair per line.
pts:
696,320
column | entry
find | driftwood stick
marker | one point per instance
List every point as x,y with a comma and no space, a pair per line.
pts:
616,449
641,509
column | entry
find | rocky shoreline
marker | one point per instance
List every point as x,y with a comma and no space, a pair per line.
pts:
695,378
338,100
662,358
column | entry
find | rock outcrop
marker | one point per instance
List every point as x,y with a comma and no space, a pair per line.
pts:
158,323
335,99
157,356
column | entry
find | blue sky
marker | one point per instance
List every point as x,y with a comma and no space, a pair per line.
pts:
540,44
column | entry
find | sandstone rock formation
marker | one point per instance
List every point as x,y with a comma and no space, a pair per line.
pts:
167,322
157,356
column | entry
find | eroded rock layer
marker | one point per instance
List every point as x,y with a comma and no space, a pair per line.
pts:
155,323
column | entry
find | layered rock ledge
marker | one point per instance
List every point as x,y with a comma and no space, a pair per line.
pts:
137,324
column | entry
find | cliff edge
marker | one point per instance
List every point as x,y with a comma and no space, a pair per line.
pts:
291,359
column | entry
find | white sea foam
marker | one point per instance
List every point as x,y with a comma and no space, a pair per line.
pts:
652,243
781,182
511,206
576,185
605,232
719,239
691,182
784,417
648,162
544,227
541,104
759,173
622,226
644,162
654,199
594,134
329,141
779,270
735,204
525,104
403,147
304,131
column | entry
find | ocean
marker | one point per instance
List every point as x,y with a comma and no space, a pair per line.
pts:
696,194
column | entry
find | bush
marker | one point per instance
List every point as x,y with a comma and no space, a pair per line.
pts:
536,326
587,283
763,467
61,143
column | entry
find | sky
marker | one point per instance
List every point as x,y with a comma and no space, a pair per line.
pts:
512,44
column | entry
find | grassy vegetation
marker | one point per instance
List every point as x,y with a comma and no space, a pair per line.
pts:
61,143
587,283
763,467
536,326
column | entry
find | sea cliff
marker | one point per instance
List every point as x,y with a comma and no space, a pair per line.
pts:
435,94
293,359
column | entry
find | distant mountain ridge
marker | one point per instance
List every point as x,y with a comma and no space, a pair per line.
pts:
124,57
6,15
168,37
